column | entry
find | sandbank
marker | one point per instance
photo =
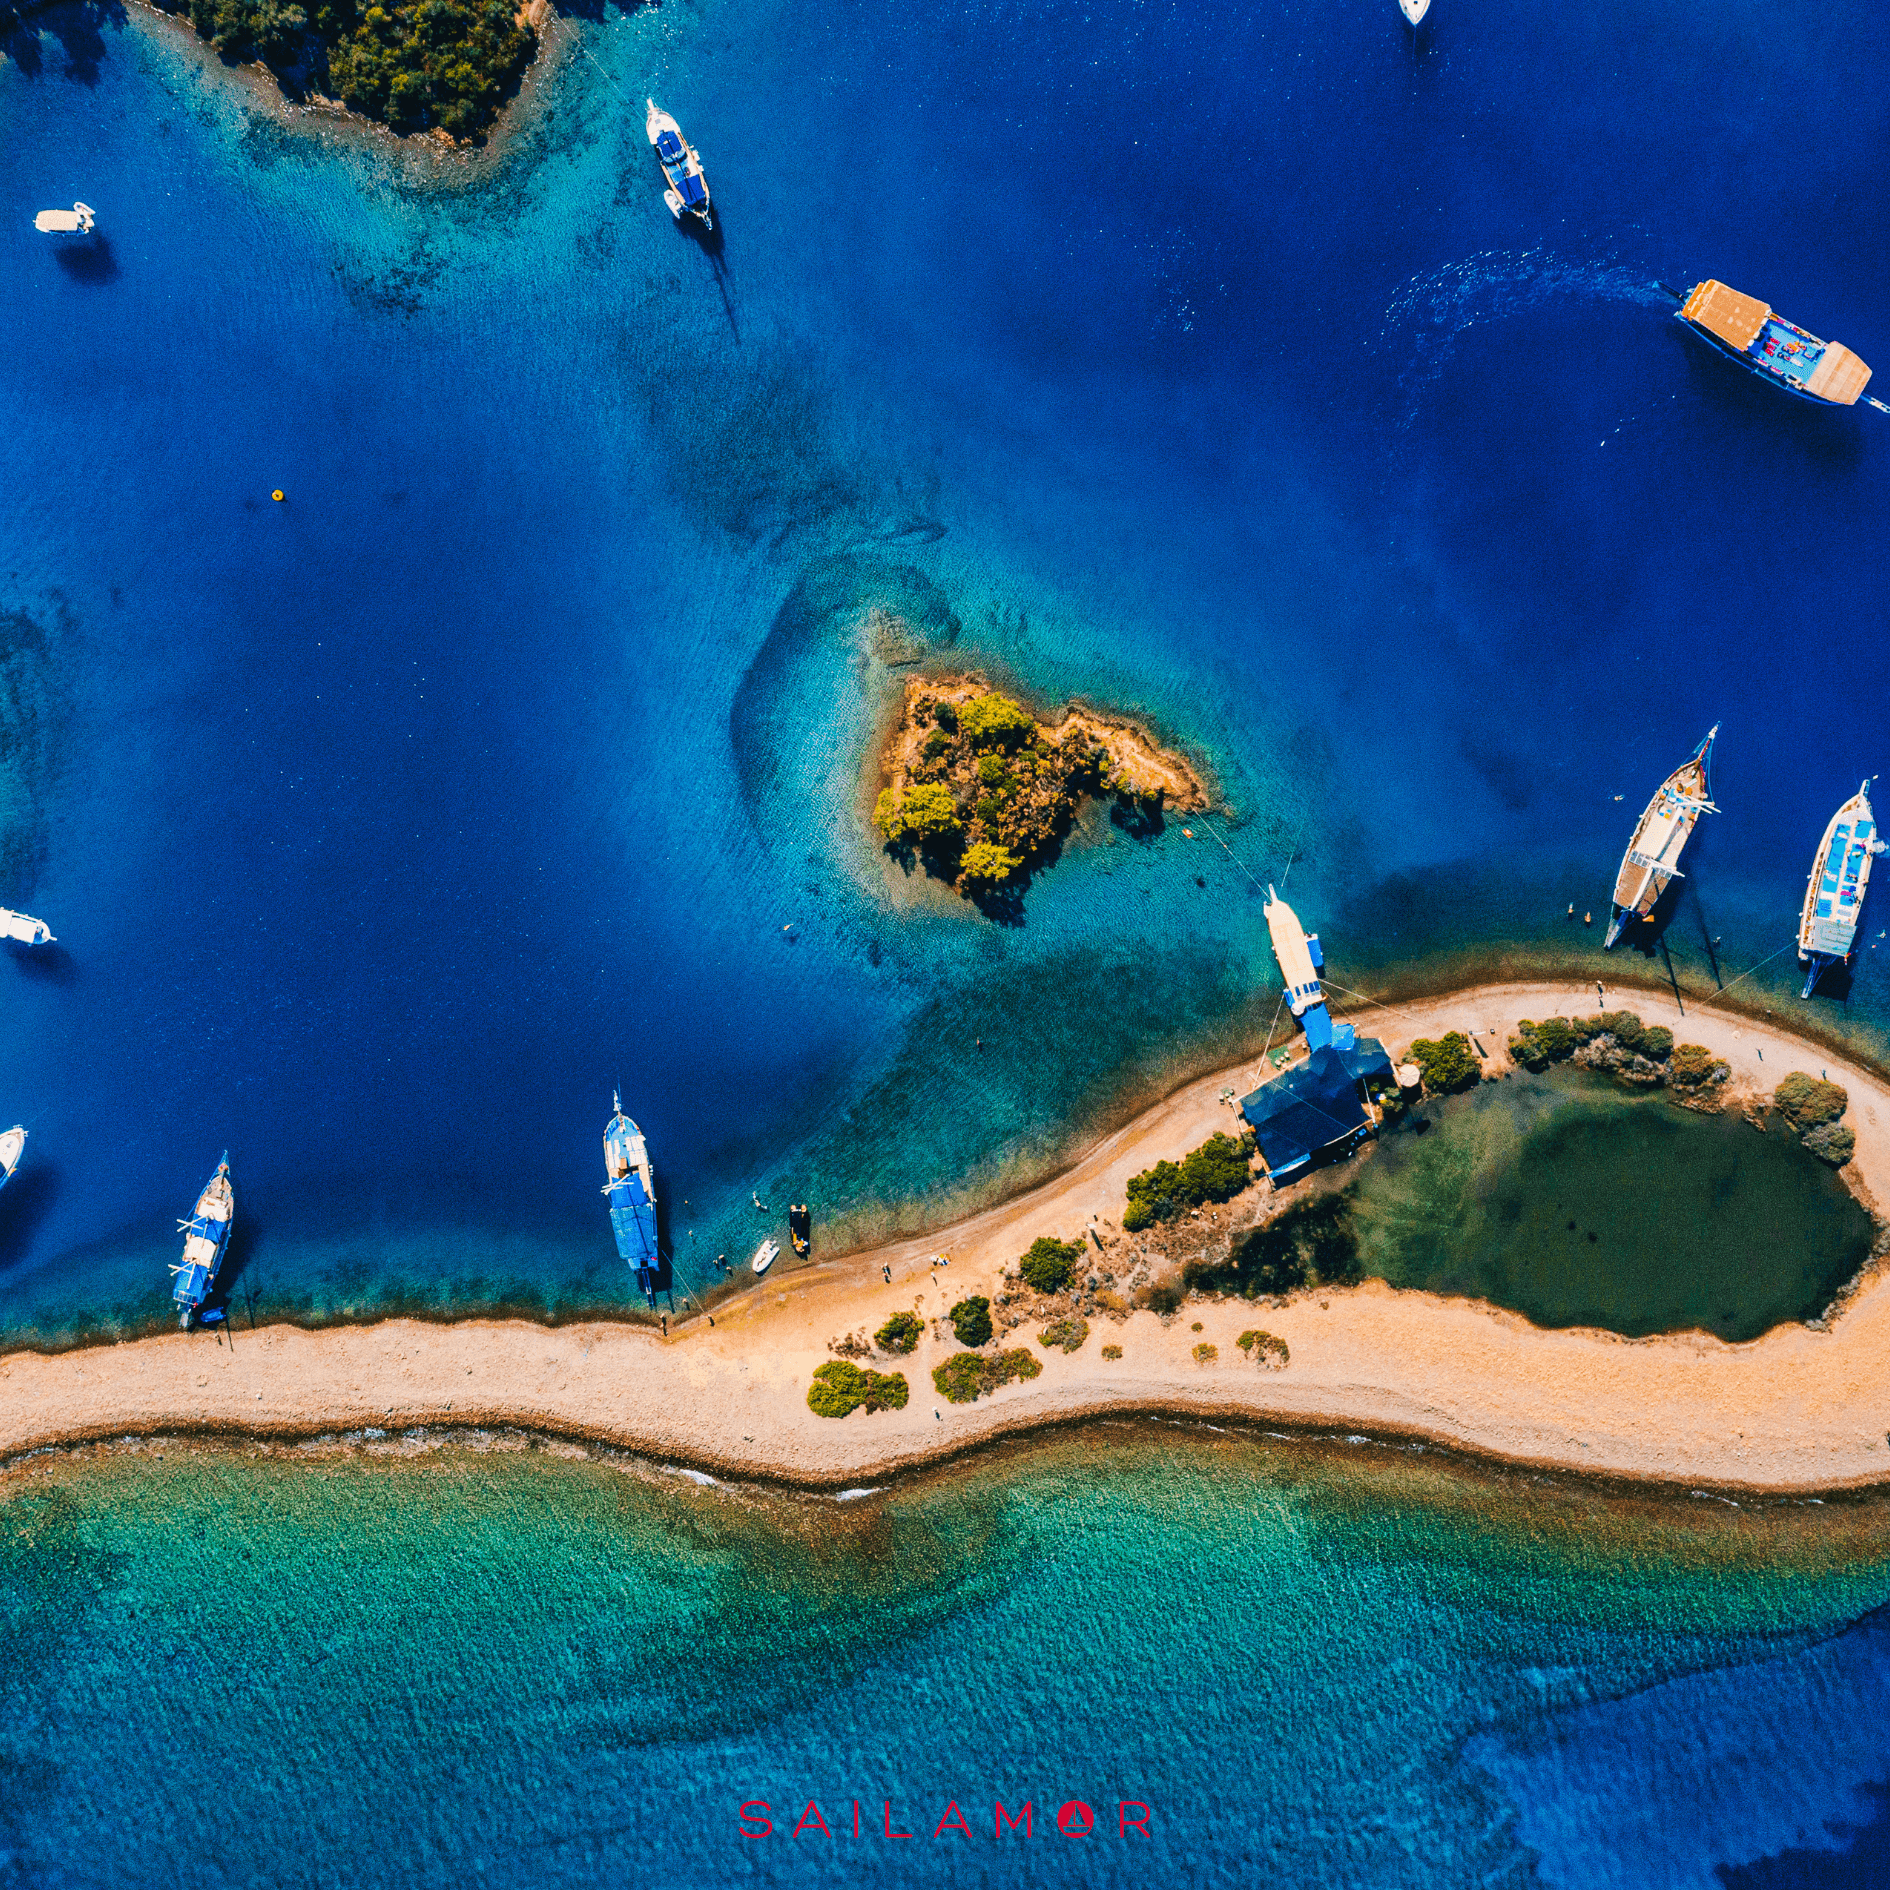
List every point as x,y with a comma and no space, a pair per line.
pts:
1803,1408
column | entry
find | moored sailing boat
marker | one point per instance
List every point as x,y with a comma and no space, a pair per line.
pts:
1652,860
1834,895
630,1188
688,189
12,1146
206,1239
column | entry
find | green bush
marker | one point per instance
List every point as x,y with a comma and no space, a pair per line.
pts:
945,714
1535,1046
1047,1267
901,1333
1831,1142
1112,1351
1165,1296
1623,1026
991,771
1205,1354
966,1376
1216,1171
1806,1103
936,744
840,1388
1447,1064
971,1320
925,813
1069,1333
994,721
987,864
1691,1065
1264,1349
1656,1042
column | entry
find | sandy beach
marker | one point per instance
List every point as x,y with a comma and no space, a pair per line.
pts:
1800,1409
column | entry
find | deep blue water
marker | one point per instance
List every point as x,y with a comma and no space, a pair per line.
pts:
1312,1667
1253,370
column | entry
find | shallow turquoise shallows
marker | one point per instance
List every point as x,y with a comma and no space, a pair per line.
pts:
1317,1665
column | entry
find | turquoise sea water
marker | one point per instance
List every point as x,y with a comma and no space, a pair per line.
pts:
1257,372
1315,1665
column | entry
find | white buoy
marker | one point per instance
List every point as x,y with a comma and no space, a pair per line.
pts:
80,217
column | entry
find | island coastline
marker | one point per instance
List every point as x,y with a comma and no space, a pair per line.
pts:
1800,1409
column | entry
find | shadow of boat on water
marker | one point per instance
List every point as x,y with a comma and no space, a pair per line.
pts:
44,964
25,1202
88,262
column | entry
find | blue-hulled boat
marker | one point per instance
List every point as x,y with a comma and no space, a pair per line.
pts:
206,1239
1834,896
630,1188
1746,330
688,190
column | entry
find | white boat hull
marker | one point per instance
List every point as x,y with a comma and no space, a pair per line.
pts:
765,1255
12,1146
1414,10
64,222
24,928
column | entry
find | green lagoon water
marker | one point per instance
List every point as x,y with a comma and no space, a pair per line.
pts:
1575,1202
1317,1664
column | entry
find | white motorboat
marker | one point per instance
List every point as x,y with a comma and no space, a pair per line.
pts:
80,217
11,1145
28,931
688,189
764,1255
1414,10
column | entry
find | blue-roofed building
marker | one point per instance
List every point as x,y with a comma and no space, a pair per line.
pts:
1315,1111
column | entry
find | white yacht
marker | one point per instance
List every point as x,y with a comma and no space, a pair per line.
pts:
1414,10
12,1143
688,191
29,931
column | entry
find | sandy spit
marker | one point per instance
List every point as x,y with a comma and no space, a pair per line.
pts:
1802,1408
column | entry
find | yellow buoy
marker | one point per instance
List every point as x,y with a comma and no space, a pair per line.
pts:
277,495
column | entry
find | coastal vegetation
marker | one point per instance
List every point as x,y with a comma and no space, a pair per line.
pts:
1264,1349
971,1320
413,65
901,1333
841,1388
1618,1043
1811,1108
967,1376
1066,1334
1216,1171
1047,1267
1447,1063
1206,1354
1112,1351
980,791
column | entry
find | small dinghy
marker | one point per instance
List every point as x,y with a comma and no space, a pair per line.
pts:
79,218
800,1223
12,1143
27,930
688,189
764,1255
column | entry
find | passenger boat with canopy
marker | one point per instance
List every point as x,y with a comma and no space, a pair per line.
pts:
688,192
630,1189
1834,895
1652,860
206,1240
1745,329
24,928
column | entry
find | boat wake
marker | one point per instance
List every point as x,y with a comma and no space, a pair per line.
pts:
1431,312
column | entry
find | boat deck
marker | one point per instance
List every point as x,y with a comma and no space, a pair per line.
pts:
1788,351
1839,899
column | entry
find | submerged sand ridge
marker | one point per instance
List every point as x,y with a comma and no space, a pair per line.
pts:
1801,1408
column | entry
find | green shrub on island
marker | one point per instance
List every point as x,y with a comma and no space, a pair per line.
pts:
971,1320
967,1376
1806,1103
1205,1354
1216,1171
1691,1067
446,65
901,1333
924,815
994,721
1447,1064
1068,1333
1164,1296
987,864
1047,1267
1112,1351
1310,1244
840,1388
1264,1349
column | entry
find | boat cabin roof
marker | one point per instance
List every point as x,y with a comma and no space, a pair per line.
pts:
1736,319
690,183
670,146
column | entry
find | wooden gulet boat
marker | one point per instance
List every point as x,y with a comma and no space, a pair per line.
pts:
1746,330
1652,861
1834,895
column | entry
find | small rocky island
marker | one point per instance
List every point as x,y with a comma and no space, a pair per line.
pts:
980,790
